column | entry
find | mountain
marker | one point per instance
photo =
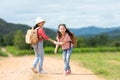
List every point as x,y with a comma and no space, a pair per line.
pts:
7,28
92,30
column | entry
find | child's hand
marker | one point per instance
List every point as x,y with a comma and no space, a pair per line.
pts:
56,49
55,42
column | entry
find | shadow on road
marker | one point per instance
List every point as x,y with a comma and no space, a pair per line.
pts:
71,74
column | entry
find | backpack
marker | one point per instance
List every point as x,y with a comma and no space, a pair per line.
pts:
31,36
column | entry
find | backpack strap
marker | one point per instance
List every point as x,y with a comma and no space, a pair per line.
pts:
39,37
31,44
70,42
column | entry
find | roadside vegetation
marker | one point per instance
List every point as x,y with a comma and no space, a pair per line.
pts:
3,54
104,64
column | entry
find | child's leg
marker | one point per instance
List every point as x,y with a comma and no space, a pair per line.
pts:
69,51
41,56
64,59
36,60
68,60
35,64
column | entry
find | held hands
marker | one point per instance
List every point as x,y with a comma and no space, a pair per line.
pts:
57,45
56,48
55,42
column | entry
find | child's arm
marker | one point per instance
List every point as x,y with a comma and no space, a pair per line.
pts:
66,39
56,49
53,41
63,42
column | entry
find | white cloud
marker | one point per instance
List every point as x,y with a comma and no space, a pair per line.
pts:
78,13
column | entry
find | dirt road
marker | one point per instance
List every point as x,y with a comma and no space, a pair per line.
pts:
19,68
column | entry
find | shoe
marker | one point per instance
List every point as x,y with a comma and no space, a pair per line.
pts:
34,70
68,71
65,72
42,72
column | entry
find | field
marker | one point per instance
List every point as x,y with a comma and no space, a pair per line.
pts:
105,64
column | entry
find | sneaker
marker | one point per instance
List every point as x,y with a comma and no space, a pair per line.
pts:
65,72
34,70
69,71
42,72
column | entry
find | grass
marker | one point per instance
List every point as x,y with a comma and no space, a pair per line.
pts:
16,52
3,54
106,64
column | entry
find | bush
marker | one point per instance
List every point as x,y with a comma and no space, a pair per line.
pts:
17,52
3,54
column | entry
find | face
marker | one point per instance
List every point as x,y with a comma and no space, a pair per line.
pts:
41,24
62,30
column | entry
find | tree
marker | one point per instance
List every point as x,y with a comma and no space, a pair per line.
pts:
1,40
102,40
80,42
8,39
91,42
116,44
19,40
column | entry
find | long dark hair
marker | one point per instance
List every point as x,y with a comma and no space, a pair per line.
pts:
67,31
73,38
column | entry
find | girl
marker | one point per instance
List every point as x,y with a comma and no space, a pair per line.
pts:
64,38
38,48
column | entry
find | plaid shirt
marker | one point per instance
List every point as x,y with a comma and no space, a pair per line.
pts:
66,38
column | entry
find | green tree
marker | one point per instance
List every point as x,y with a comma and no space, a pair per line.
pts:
91,42
102,40
80,42
98,40
116,43
19,40
1,40
8,39
48,44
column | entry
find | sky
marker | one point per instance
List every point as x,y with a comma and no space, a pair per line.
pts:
73,13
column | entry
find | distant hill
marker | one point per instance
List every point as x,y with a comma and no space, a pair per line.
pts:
6,28
92,30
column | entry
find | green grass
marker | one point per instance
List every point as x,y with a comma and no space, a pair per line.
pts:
106,64
3,54
97,49
16,52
